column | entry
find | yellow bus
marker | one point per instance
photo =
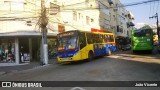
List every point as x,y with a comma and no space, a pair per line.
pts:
78,45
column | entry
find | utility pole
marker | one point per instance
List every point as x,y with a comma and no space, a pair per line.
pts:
156,16
44,22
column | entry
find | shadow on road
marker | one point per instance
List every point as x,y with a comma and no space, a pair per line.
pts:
80,62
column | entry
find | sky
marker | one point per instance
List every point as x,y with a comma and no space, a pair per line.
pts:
143,12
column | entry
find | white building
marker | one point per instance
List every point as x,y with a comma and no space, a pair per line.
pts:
20,35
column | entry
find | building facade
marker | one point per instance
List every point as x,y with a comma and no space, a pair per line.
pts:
20,34
107,15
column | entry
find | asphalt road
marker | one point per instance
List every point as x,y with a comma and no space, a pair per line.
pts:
124,66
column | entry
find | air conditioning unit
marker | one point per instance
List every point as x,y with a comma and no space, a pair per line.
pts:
29,23
110,2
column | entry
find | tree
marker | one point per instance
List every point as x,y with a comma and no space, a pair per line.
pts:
146,27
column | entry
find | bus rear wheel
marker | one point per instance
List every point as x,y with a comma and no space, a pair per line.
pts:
109,52
90,56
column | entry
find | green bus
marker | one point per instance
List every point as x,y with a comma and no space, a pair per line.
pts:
142,39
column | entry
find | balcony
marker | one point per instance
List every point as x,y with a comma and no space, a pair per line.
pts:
130,24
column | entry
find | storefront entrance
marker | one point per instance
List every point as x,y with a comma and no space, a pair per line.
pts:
29,49
24,50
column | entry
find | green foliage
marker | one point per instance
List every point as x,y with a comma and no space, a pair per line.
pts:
146,27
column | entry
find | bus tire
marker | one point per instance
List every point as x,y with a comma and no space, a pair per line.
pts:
134,51
90,56
109,52
150,51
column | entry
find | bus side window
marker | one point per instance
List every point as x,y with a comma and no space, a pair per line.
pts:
101,38
111,38
89,38
82,40
98,38
105,38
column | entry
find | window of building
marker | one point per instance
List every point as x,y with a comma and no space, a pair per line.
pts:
75,16
120,29
79,16
92,20
114,17
87,20
128,33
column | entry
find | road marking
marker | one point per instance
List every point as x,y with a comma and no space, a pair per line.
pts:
114,56
77,88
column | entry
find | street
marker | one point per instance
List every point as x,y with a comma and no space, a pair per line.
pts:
124,66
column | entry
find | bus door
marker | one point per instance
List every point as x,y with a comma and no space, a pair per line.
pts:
82,45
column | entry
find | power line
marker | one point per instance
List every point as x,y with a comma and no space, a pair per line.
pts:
127,5
153,6
150,10
157,7
18,12
33,4
143,2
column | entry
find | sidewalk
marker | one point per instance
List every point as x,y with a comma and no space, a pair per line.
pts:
11,67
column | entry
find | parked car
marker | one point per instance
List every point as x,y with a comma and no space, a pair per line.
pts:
52,54
126,47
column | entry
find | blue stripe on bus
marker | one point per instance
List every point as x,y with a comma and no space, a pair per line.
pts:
100,50
111,47
67,53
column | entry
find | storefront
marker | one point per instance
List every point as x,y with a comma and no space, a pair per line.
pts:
18,48
7,50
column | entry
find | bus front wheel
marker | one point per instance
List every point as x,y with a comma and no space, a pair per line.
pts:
90,56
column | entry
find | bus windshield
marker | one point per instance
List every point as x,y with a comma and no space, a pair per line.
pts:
142,33
67,43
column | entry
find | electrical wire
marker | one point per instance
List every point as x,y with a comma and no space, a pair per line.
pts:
153,6
27,12
127,5
150,10
139,3
157,7
33,4
73,26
